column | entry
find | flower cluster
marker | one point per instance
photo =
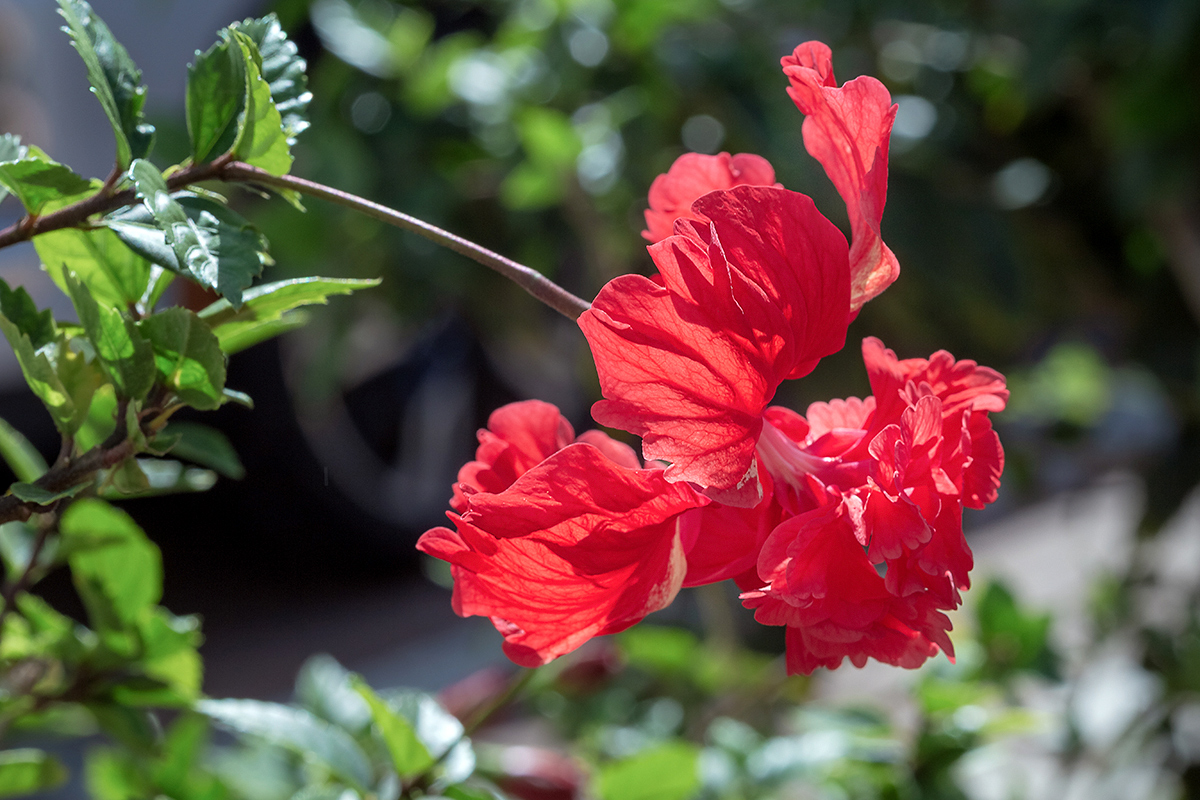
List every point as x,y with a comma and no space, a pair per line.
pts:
844,524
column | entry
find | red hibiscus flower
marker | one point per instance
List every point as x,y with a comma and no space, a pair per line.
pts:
694,175
844,525
753,292
877,484
577,546
847,130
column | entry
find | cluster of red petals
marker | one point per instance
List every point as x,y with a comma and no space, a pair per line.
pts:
843,524
752,292
576,545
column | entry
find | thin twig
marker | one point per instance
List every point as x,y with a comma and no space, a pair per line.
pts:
527,278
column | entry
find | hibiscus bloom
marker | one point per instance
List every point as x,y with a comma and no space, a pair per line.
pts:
556,550
844,525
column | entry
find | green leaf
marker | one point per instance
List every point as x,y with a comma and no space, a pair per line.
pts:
113,775
169,657
297,730
119,580
16,547
21,456
135,728
19,308
10,150
438,730
153,477
42,377
264,308
261,141
323,687
409,756
666,772
115,275
26,771
187,356
127,357
39,181
101,419
206,446
216,98
192,236
115,79
283,70
32,493
1013,638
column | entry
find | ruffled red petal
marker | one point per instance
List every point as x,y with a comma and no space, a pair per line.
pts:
847,129
576,547
694,175
690,362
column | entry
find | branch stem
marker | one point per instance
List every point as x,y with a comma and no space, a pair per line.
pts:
528,279
224,169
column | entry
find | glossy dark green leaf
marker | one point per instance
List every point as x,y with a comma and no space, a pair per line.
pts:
216,98
115,80
665,772
117,581
187,356
283,70
206,446
127,357
409,755
297,730
26,771
37,182
264,309
192,236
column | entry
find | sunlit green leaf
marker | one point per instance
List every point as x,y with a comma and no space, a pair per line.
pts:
127,357
187,355
261,141
283,70
26,771
115,80
665,772
264,307
117,581
153,477
39,181
113,775
42,377
216,97
439,731
297,730
20,456
115,275
409,755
